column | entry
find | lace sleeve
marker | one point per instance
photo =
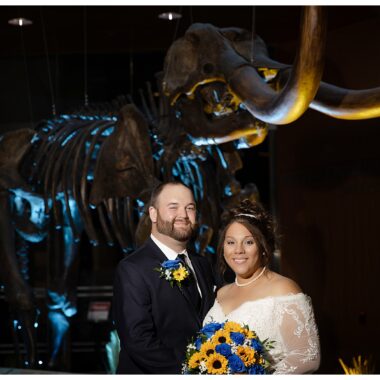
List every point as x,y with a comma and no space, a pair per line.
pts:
299,335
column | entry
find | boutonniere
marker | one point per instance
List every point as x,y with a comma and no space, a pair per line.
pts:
173,271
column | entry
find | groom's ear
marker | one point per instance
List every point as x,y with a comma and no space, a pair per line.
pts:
153,214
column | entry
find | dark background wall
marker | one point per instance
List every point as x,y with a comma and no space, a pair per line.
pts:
328,186
325,177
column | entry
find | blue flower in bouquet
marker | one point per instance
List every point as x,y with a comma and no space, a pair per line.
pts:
224,349
198,343
257,345
237,337
236,364
256,370
210,329
170,264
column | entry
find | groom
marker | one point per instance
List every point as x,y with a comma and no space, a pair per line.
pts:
154,320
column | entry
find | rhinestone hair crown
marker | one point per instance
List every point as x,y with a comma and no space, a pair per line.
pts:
249,215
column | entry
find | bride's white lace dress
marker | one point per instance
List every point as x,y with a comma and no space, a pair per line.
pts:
288,320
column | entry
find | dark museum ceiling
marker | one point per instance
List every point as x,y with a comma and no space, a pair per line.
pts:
126,46
116,29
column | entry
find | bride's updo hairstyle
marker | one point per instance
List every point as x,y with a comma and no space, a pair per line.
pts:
258,222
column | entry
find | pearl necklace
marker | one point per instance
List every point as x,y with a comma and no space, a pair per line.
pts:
250,282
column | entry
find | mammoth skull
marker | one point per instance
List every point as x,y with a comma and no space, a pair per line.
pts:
226,72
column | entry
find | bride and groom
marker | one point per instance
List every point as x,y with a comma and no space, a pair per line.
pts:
157,310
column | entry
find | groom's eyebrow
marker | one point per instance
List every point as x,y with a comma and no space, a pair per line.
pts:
177,204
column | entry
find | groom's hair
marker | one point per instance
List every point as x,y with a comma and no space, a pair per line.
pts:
159,188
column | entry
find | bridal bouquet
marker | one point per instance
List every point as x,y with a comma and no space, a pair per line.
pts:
226,348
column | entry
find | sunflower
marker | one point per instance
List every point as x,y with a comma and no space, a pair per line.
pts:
233,326
180,274
207,349
195,360
221,336
217,364
249,334
247,355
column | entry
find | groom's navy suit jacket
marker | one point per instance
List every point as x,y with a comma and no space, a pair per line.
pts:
155,321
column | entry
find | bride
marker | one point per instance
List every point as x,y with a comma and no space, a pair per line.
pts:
270,304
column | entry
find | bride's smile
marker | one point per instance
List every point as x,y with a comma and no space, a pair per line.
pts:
239,260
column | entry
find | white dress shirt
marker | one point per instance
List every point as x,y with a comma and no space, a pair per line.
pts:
172,255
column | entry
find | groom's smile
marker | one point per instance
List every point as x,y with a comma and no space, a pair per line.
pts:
181,222
179,229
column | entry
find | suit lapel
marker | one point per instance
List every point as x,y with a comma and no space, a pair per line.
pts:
185,293
161,256
153,248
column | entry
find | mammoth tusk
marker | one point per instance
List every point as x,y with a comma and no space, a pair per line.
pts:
347,104
254,136
294,99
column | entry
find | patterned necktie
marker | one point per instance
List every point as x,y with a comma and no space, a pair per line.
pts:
191,285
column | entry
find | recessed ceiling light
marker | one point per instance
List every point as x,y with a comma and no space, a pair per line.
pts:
170,16
20,21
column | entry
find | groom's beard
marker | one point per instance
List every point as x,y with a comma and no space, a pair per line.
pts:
168,228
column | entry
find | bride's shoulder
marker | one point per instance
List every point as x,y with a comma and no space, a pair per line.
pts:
222,291
281,285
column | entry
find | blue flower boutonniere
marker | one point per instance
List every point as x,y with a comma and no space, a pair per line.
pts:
173,271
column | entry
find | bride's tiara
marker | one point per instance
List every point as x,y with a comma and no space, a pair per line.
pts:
249,215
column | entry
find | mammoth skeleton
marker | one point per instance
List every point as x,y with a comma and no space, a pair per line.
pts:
218,92
94,173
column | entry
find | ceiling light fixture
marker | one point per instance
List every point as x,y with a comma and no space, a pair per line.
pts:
20,21
170,16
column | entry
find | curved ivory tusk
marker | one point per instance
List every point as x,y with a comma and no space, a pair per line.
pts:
294,99
347,104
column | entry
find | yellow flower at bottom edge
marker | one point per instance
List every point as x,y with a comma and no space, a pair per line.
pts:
246,354
180,274
217,364
195,360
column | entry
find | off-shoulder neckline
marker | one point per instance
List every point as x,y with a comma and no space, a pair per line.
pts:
289,295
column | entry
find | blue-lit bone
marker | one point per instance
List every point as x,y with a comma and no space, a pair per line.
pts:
69,137
32,206
36,203
59,325
221,157
60,302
